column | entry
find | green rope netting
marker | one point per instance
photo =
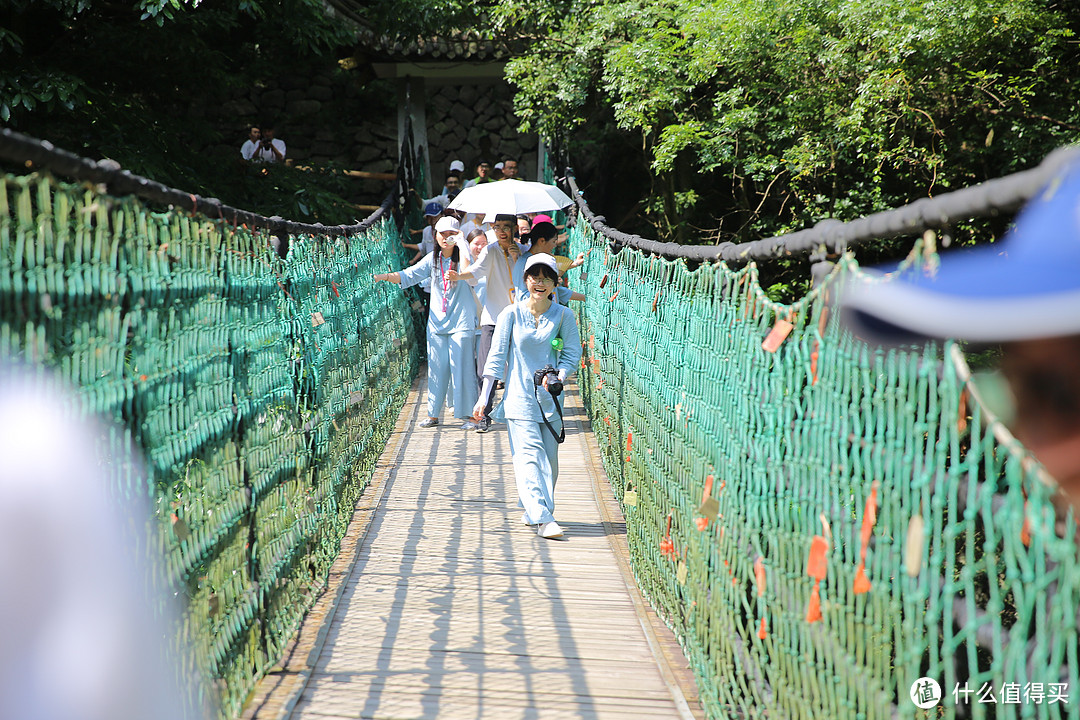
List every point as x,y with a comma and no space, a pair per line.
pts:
745,476
259,391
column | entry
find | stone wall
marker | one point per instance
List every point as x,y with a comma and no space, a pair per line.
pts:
323,116
476,122
328,115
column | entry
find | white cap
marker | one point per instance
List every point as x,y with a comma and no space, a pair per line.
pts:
542,259
447,224
457,165
498,166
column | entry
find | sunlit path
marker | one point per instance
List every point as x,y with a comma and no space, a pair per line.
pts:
454,609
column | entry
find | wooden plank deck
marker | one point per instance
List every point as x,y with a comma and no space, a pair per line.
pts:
443,605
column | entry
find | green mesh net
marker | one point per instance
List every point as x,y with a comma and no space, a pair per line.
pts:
822,524
259,391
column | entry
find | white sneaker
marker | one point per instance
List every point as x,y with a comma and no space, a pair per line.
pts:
549,530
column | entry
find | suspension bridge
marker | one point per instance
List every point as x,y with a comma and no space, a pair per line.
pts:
817,524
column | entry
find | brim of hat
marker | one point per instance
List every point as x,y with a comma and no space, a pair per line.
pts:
542,260
980,295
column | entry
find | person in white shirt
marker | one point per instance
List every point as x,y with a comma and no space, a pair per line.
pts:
269,148
452,188
473,221
457,168
247,150
496,263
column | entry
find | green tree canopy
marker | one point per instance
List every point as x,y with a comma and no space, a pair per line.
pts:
688,119
764,115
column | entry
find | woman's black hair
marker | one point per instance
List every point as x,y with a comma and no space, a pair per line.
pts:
544,230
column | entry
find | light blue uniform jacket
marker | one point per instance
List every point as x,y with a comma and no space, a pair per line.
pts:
521,346
460,313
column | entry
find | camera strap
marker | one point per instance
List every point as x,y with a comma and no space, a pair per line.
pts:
559,437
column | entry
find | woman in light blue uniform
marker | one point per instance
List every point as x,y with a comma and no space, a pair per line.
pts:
542,239
530,335
452,323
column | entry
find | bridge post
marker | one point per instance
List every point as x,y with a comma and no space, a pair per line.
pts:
411,93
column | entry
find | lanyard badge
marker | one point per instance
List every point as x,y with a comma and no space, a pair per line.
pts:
445,286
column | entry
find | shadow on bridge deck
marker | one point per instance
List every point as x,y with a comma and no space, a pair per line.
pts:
443,605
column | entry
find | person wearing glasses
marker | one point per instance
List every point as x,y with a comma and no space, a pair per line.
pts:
496,263
542,240
536,347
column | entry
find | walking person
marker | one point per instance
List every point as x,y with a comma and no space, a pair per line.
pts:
452,320
496,263
536,347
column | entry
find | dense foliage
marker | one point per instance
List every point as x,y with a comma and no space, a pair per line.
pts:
118,80
759,116
696,120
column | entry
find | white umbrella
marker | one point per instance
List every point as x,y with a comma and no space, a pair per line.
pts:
510,197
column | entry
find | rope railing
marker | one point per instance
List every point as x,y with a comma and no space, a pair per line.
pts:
1000,196
42,154
258,389
822,523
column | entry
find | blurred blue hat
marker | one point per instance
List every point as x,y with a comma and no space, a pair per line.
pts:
432,208
1026,286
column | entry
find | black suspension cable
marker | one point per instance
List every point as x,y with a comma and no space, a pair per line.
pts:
20,148
1002,195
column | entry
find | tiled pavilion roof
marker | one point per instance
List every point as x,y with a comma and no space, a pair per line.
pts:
452,46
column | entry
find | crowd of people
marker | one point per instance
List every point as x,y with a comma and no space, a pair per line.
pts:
498,319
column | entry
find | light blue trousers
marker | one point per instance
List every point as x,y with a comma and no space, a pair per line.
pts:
536,467
451,366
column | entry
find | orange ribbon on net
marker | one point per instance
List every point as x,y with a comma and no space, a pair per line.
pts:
816,567
759,580
1025,529
703,522
667,547
706,508
862,583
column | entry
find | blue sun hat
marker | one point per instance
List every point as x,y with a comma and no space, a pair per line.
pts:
1026,286
432,209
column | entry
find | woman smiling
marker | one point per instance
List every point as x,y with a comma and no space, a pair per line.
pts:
536,347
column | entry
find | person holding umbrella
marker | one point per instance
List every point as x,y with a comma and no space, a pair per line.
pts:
503,200
496,263
451,325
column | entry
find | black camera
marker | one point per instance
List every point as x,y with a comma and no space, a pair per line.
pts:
554,385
